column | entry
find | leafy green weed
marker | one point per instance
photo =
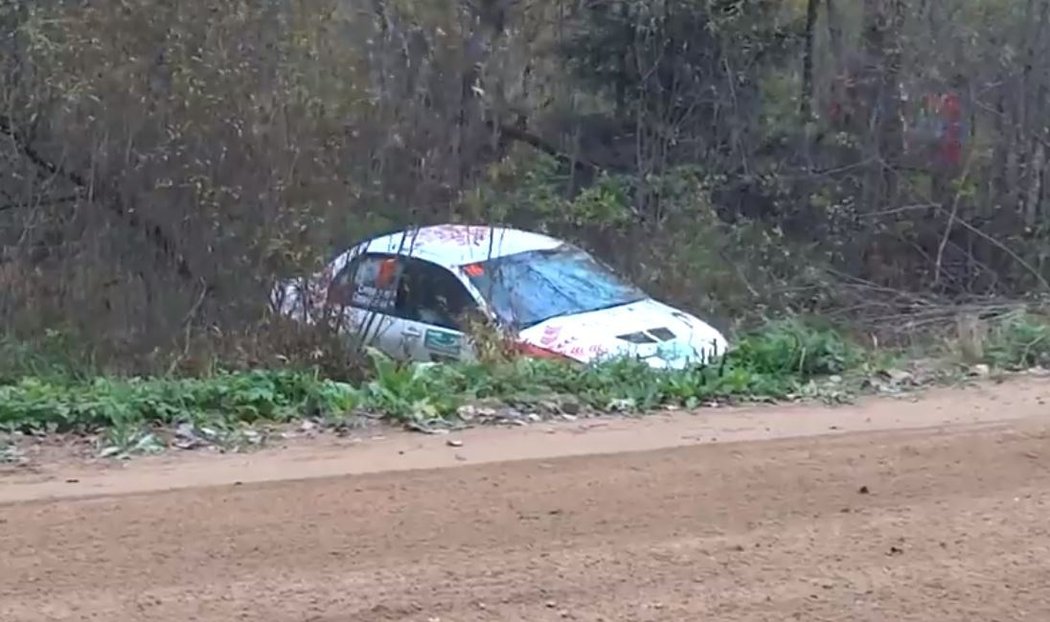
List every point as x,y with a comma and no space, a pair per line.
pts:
774,362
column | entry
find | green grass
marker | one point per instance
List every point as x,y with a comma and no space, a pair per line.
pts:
1018,341
780,360
50,357
772,362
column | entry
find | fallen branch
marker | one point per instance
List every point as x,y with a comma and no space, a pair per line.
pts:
24,204
536,142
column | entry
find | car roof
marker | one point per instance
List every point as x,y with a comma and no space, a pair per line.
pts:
457,245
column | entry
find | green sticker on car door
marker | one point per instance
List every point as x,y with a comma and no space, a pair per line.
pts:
441,342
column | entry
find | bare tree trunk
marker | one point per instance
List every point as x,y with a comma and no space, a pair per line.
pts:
806,96
834,30
880,98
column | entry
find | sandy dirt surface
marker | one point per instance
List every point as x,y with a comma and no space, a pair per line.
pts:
927,509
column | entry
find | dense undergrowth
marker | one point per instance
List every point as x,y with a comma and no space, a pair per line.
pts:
40,394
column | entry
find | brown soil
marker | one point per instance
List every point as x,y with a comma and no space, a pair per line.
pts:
925,509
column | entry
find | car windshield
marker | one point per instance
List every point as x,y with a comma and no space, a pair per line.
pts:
527,288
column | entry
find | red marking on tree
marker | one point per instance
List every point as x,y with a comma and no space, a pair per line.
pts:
950,148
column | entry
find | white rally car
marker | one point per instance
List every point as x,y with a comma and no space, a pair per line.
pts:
407,294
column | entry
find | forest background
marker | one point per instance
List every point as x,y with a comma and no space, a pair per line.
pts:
880,162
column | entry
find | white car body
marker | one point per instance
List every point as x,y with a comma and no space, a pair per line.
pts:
576,307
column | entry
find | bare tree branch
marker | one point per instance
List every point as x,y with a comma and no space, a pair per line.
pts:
153,232
27,204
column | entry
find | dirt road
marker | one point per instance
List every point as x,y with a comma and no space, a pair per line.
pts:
931,510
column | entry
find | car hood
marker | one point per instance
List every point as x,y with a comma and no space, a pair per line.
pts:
661,335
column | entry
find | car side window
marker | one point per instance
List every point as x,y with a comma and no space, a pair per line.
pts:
367,282
431,294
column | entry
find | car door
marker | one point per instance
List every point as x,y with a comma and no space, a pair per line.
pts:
431,306
364,295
